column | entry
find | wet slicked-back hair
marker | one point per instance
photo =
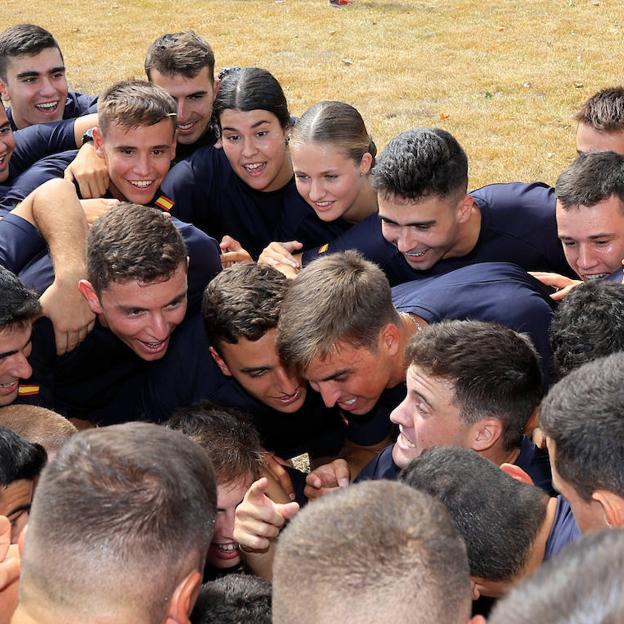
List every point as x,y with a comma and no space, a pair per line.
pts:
252,88
133,103
498,516
18,305
28,39
588,324
604,110
184,53
590,179
228,436
339,297
122,515
243,301
133,242
583,415
495,371
421,163
581,585
377,552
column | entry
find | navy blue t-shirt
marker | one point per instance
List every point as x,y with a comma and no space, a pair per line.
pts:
207,192
564,530
77,105
380,467
493,291
518,225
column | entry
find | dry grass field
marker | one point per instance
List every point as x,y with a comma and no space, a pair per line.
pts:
504,76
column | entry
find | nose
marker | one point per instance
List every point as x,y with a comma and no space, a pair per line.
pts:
286,382
586,260
317,191
329,394
249,147
181,110
397,416
47,88
142,165
20,369
159,328
224,525
405,242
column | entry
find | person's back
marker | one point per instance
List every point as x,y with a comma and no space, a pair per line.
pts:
119,529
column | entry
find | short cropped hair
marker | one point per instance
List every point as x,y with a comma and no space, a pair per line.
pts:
582,414
583,584
184,53
604,110
591,178
19,459
588,324
27,39
494,370
234,599
133,242
340,297
377,551
243,301
18,305
498,516
228,436
337,124
133,103
252,88
421,163
121,516
38,425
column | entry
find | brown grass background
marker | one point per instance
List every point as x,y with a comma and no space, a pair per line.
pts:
504,76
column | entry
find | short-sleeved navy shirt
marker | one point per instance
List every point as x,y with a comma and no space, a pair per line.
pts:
77,105
518,225
492,291
380,467
207,192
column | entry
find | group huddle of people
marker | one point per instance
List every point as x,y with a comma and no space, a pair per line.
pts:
197,287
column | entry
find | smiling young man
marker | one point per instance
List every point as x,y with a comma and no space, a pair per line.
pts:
428,225
32,79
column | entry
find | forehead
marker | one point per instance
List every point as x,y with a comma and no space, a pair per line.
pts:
15,336
232,492
406,211
160,133
605,217
238,119
252,353
43,61
343,357
589,139
179,85
420,379
318,156
15,495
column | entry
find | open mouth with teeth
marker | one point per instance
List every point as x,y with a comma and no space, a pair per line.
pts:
141,184
404,442
47,107
8,387
255,169
225,555
154,347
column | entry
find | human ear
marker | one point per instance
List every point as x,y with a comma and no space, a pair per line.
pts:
223,367
390,338
88,292
515,472
183,599
486,433
4,92
366,163
464,208
98,142
612,506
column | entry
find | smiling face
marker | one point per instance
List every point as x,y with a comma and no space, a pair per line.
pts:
424,231
15,347
255,144
137,158
224,552
36,87
593,237
142,315
194,99
257,368
329,180
427,417
7,145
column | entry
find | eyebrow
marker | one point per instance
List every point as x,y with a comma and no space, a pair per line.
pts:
335,374
592,237
254,369
197,93
133,147
258,123
34,74
414,223
140,309
4,125
9,353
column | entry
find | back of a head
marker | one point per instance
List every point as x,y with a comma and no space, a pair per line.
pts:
38,425
590,179
18,305
28,39
133,242
228,437
378,552
184,53
339,297
582,414
234,599
498,516
243,301
604,110
19,458
588,324
133,103
583,585
495,371
421,163
122,515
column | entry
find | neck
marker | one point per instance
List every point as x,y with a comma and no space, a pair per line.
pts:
536,558
365,204
468,234
499,455
408,326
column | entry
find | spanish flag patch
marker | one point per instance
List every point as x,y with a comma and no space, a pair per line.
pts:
23,390
164,203
324,248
